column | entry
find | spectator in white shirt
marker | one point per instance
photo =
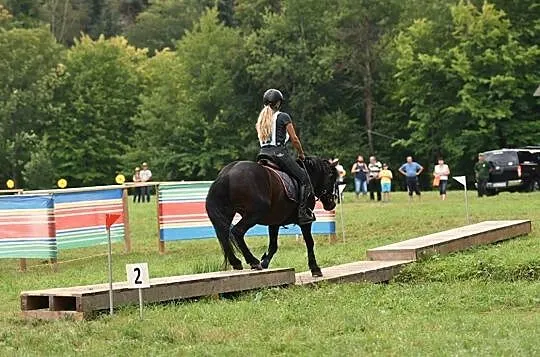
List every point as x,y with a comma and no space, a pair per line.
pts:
137,179
145,176
374,181
442,172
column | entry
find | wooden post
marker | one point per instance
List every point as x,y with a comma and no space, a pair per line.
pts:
22,264
332,238
161,244
127,231
54,264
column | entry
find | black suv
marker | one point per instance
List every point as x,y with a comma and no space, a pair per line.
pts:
514,169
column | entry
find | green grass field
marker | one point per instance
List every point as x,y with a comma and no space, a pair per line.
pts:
485,301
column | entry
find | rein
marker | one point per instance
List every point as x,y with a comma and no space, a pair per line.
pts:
323,192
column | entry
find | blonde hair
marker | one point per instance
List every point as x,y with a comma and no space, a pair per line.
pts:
264,123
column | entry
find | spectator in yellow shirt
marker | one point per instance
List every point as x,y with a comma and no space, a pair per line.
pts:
386,182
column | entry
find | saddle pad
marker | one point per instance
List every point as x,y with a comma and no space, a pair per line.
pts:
289,184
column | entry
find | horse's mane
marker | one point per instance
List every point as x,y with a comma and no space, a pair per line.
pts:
319,165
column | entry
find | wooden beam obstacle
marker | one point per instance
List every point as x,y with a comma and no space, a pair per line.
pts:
387,261
81,301
452,240
362,271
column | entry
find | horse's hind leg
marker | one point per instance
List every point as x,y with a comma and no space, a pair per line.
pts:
238,231
272,246
228,251
221,217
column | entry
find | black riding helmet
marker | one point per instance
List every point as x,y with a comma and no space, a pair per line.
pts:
272,97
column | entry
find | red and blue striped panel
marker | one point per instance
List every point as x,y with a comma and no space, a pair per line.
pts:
182,215
80,217
27,228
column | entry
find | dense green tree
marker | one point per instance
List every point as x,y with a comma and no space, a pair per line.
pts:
39,172
5,18
364,33
29,63
249,14
99,97
295,51
165,22
191,96
465,84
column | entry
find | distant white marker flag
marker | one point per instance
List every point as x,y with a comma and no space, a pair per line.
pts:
461,179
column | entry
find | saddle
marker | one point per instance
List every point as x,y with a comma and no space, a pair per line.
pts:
290,185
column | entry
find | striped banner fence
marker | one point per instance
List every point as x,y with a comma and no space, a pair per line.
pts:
27,227
80,217
38,224
182,215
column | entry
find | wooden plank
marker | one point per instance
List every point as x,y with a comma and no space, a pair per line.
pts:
452,240
22,264
17,191
53,315
95,297
127,230
105,187
161,244
368,271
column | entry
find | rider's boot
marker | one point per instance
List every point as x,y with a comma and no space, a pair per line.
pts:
305,215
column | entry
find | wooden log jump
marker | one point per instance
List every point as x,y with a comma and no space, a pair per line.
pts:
81,301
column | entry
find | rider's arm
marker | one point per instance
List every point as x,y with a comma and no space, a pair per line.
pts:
295,140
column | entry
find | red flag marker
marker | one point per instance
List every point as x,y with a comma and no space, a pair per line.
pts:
110,218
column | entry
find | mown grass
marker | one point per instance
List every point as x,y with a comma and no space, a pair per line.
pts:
485,301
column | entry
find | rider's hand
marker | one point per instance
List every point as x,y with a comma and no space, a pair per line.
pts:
301,156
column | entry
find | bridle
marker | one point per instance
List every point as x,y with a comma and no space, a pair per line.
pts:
324,194
328,195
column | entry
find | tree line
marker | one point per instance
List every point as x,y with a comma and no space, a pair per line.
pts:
90,89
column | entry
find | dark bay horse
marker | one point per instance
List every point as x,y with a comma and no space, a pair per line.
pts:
257,194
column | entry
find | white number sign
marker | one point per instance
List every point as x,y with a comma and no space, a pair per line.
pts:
137,275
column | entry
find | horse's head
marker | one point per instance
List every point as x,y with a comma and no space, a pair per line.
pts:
323,177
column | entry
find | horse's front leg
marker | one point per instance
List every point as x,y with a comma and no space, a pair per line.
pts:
272,246
312,262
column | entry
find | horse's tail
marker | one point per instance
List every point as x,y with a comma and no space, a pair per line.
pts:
221,213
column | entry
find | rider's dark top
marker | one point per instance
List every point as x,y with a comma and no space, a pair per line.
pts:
279,134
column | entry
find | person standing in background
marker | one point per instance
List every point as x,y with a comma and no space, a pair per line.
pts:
386,183
411,170
442,171
340,181
137,179
374,183
482,169
146,175
360,171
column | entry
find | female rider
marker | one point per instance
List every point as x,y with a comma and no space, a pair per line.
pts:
274,129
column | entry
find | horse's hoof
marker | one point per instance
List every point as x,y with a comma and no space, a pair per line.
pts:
238,267
256,266
264,264
316,273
